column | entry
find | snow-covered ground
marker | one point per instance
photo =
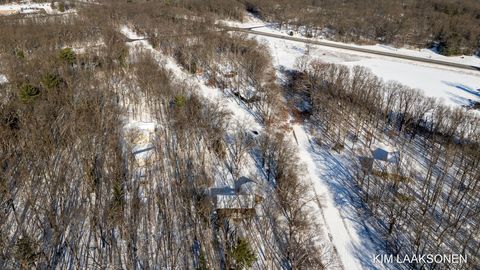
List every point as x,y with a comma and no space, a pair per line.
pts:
242,115
208,92
261,26
453,86
341,232
327,173
3,79
32,7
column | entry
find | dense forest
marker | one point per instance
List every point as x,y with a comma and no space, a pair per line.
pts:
73,192
449,26
425,200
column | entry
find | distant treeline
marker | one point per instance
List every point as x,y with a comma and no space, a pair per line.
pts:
450,26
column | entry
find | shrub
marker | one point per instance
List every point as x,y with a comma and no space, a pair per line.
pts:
68,55
61,7
51,81
179,101
28,92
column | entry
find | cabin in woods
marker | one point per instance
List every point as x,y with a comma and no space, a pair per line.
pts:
236,206
381,159
238,202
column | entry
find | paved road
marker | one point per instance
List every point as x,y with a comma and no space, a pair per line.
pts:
352,48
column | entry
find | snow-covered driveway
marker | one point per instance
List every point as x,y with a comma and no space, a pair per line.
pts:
353,243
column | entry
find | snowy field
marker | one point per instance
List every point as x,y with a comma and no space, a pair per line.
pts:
453,86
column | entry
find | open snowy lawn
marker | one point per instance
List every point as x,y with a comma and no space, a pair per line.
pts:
454,87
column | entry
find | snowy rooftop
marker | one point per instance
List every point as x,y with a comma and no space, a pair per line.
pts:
385,147
386,153
245,185
235,201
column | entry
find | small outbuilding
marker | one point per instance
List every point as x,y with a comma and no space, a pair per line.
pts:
383,158
386,154
238,202
236,206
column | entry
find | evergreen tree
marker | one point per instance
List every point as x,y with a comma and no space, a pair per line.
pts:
19,54
51,81
61,7
179,101
242,254
28,92
68,55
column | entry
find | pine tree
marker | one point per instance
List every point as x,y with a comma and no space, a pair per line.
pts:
179,101
68,55
28,92
242,254
51,81
61,7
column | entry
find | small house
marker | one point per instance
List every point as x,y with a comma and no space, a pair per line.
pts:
387,154
236,206
238,202
381,159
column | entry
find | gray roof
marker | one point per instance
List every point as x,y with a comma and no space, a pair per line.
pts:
235,201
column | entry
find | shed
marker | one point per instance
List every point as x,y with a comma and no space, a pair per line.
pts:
235,205
386,154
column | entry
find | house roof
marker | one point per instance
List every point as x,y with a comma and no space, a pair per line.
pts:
235,201
385,153
245,185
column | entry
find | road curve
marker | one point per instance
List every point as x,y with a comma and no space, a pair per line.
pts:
351,48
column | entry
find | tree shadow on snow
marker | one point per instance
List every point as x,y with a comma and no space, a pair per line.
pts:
470,90
347,199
